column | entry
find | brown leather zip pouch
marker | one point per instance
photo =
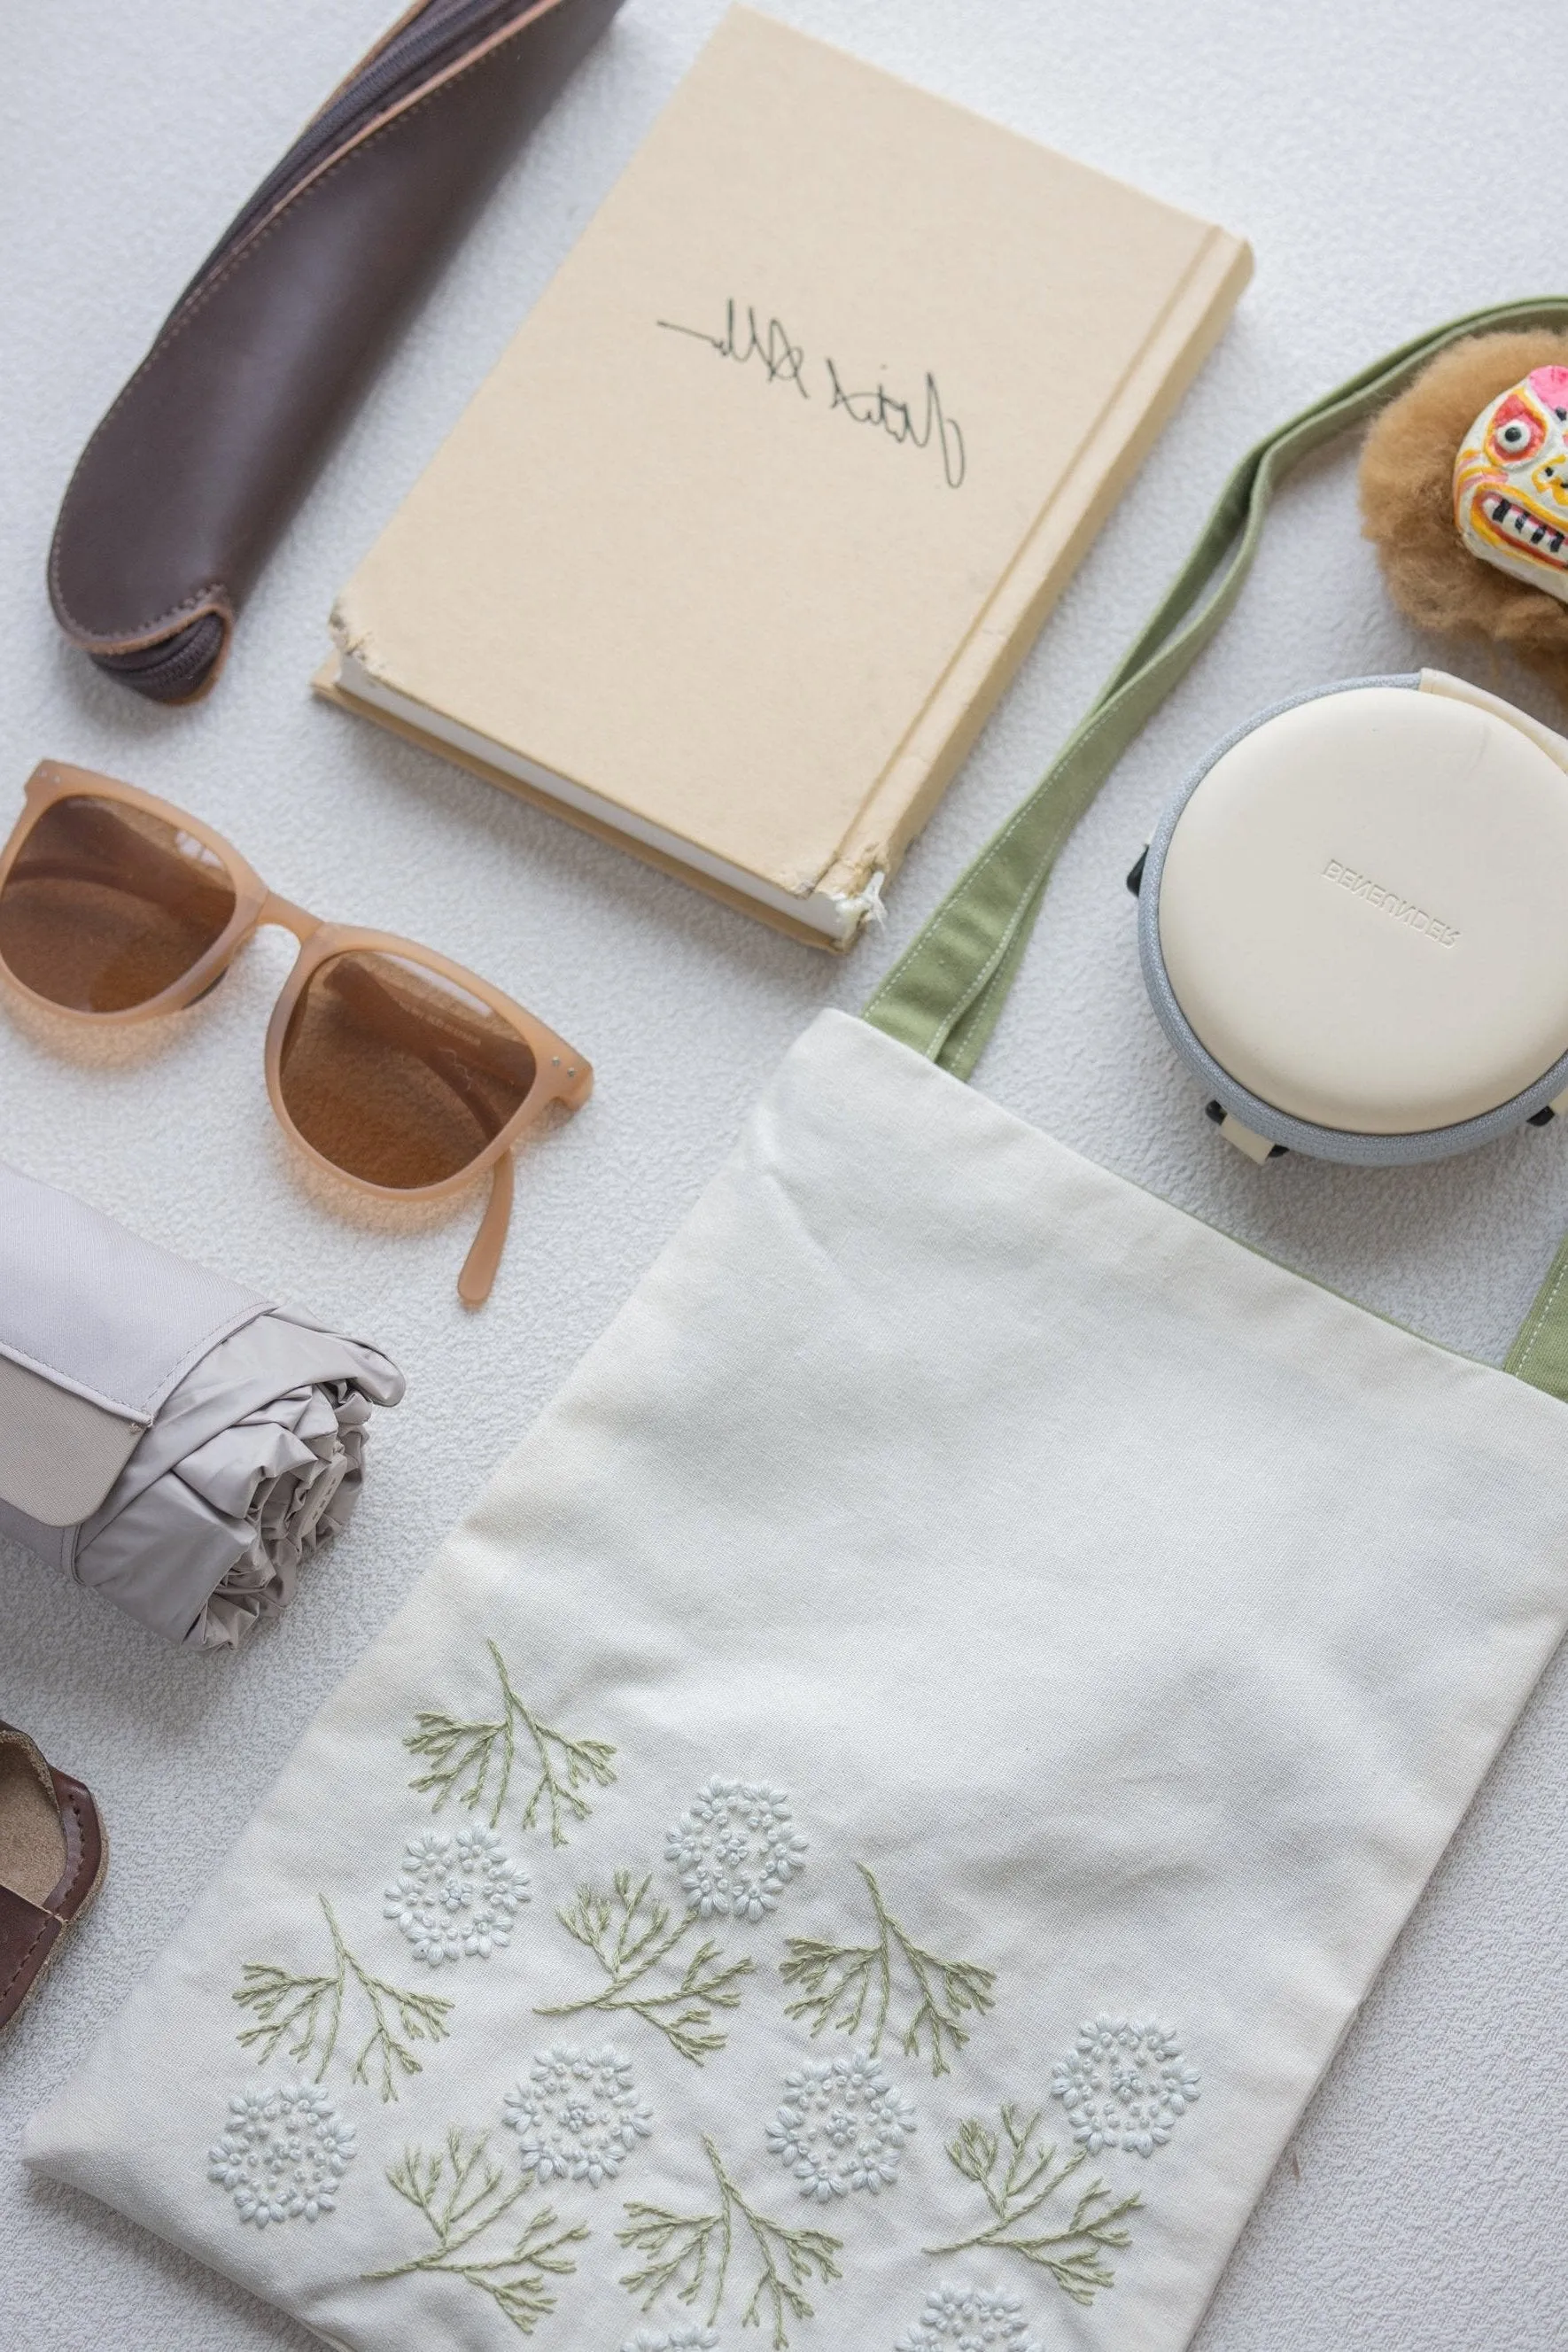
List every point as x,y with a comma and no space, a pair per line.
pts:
191,476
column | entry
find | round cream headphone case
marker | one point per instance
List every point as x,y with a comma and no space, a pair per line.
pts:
1353,922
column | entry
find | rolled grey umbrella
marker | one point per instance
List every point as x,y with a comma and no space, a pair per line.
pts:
168,1438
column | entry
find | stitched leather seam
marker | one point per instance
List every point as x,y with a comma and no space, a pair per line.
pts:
183,317
73,1885
388,119
202,601
49,1921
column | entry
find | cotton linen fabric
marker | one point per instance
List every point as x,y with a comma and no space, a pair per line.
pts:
1127,1617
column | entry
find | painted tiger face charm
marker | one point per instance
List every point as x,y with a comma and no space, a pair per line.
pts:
1510,482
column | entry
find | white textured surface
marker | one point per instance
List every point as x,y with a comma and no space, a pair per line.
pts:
1377,171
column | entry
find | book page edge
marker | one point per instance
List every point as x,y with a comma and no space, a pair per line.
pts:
327,684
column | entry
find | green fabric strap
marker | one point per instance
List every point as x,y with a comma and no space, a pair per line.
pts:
944,994
1539,1354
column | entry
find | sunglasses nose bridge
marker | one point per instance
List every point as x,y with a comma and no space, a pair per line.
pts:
288,916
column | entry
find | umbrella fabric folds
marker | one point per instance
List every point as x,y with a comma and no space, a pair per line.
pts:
170,1439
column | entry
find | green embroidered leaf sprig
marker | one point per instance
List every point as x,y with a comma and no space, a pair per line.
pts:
462,1757
310,2009
838,1983
1018,2176
690,2254
629,1933
461,2194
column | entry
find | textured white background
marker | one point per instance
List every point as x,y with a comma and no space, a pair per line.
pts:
1374,155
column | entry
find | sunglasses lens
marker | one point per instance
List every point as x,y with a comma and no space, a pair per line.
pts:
106,906
397,1074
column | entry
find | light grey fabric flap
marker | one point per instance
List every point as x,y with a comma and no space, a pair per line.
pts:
59,1454
107,1320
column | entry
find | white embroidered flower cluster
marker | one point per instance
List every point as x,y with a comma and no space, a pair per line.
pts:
283,2154
736,1848
686,2336
841,2127
969,2318
1124,2084
457,1895
578,2116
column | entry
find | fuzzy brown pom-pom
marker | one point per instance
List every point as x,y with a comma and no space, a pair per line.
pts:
1407,502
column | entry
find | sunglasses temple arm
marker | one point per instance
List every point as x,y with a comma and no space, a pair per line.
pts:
377,1003
480,1265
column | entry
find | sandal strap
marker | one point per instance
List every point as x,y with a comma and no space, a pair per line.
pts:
27,1936
83,1830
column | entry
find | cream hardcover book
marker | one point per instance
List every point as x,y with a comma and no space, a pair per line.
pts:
732,552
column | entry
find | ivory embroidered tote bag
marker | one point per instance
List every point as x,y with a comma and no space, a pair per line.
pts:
835,1853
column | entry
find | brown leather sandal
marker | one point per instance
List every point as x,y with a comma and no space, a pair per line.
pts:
53,1852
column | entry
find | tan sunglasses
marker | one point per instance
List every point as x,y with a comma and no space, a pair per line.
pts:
386,1063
